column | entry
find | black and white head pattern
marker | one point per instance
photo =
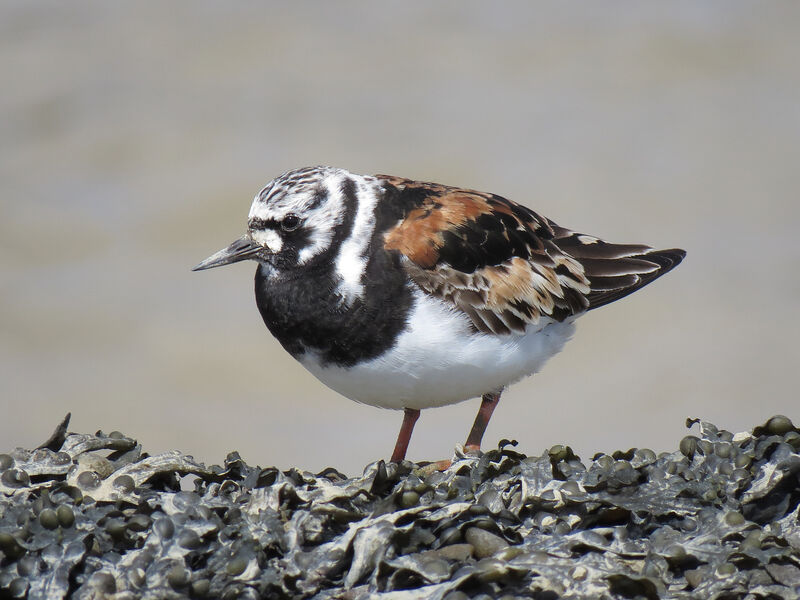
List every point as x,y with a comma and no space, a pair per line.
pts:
316,215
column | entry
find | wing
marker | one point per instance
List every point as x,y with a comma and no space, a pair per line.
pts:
504,265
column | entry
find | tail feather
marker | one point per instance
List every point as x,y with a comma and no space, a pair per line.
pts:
615,278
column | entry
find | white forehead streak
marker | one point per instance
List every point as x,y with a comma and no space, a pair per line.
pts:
321,221
352,260
257,208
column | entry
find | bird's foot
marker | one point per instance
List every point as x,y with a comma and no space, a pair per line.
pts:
469,451
439,465
472,450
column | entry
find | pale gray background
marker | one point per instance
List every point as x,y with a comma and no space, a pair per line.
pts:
134,135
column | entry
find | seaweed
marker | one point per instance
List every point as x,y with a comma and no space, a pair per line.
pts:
93,516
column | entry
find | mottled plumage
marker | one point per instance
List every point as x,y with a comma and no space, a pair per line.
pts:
404,294
506,266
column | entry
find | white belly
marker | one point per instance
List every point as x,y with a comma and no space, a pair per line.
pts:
440,360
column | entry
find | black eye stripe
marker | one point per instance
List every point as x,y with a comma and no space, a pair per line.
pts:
257,223
289,223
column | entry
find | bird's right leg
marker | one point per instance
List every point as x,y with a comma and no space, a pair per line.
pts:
488,403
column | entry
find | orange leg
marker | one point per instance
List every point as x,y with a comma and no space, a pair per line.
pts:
488,402
410,416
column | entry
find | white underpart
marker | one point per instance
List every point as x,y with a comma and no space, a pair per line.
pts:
352,260
440,360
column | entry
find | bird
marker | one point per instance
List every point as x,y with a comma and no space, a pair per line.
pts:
406,295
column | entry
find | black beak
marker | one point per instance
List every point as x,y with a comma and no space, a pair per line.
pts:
241,249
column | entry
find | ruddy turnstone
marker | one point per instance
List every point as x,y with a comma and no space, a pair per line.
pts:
407,295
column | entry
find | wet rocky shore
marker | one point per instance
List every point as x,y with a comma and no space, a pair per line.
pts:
94,516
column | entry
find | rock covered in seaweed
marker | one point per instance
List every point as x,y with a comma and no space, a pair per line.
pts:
92,516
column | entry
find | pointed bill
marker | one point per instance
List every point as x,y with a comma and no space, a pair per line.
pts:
241,249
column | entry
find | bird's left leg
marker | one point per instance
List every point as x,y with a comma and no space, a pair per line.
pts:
410,416
488,403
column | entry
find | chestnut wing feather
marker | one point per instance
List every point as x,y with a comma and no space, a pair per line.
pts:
504,265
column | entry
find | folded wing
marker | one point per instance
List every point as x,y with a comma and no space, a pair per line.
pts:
504,265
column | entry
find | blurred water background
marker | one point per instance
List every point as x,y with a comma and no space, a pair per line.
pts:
134,135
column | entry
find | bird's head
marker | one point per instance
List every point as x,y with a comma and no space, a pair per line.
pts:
298,218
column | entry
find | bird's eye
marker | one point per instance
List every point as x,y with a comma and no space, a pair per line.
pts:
290,222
